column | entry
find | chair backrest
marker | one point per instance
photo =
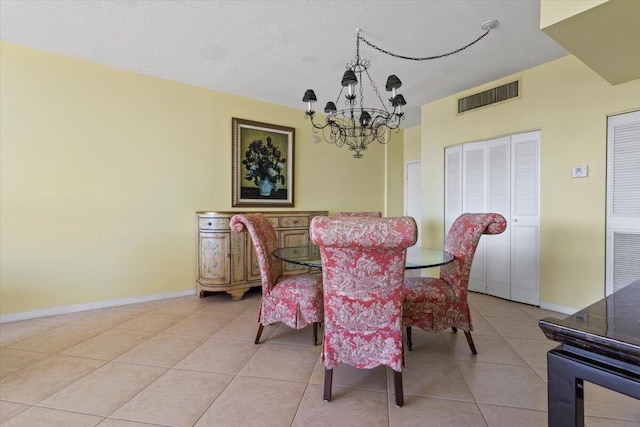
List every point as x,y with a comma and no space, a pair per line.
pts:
363,261
265,241
462,241
368,214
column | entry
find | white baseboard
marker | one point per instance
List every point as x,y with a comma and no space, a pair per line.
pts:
66,309
559,308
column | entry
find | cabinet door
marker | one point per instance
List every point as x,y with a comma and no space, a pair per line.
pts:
253,272
214,262
253,267
525,218
239,257
290,238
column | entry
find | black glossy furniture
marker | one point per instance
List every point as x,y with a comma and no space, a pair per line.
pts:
599,344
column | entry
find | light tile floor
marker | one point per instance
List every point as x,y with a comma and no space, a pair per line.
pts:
192,362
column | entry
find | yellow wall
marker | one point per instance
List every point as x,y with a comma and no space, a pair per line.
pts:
412,144
554,11
394,167
569,103
102,171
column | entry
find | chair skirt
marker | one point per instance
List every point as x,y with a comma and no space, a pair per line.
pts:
295,300
429,304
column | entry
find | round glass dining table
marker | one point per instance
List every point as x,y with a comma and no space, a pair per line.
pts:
417,256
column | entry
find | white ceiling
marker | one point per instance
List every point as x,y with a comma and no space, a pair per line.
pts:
275,50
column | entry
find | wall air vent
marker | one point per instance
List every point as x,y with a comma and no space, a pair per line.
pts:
490,96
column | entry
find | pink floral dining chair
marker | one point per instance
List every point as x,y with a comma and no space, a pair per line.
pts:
363,262
436,304
368,214
295,300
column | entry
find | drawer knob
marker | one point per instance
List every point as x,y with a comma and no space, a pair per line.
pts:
209,223
295,221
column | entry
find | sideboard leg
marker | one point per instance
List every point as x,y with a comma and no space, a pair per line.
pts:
237,294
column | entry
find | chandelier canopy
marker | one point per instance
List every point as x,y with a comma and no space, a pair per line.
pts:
355,125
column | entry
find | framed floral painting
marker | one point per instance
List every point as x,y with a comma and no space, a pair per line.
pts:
262,172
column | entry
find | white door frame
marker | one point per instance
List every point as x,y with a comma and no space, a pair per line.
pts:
407,206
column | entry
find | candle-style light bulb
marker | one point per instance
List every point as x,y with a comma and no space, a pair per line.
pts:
349,80
309,97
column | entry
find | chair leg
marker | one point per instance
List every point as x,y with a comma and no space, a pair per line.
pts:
470,342
260,328
409,342
454,329
328,379
315,333
397,385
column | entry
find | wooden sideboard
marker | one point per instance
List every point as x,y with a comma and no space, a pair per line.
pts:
227,261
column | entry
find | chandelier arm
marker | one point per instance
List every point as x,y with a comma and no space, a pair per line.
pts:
384,121
424,58
339,135
314,124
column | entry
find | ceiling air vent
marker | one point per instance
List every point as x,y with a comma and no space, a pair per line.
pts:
488,97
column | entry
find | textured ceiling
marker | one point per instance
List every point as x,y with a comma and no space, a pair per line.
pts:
275,50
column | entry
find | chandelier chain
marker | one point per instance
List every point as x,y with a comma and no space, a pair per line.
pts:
375,89
424,58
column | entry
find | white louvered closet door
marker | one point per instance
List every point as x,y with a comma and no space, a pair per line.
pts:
474,160
500,175
525,218
498,247
623,201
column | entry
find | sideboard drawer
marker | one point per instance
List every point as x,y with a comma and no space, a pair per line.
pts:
294,221
205,223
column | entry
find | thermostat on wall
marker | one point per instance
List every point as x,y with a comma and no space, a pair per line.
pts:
579,171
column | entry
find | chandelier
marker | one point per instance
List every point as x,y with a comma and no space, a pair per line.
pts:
355,125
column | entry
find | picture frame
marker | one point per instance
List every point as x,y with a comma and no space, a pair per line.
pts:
263,160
